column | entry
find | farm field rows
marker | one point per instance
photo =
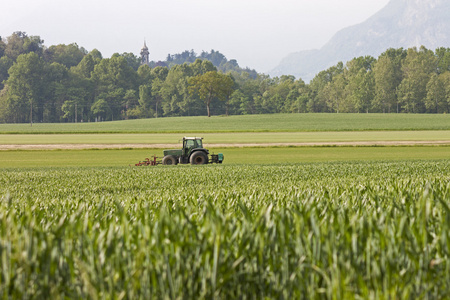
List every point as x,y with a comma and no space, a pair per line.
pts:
347,230
223,139
346,215
233,156
247,123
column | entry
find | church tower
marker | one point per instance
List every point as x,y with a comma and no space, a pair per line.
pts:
145,55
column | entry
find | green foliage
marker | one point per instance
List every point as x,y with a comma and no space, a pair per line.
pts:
398,81
25,89
210,85
327,230
248,123
233,155
436,93
2,47
5,64
20,43
67,55
100,108
217,59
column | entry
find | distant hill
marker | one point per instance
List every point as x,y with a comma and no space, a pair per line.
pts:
401,23
215,57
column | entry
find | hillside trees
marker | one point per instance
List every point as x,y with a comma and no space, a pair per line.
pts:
67,55
64,83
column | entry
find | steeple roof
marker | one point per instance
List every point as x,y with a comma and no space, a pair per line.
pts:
145,46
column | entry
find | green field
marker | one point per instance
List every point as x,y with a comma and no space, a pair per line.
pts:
309,222
227,138
378,230
247,123
233,156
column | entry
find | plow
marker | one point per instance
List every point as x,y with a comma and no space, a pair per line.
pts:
192,152
147,162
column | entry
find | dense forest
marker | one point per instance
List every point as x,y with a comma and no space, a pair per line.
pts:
66,83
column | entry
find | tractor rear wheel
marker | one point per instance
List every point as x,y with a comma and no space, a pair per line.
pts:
199,158
169,160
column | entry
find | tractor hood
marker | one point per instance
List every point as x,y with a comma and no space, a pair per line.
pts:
175,152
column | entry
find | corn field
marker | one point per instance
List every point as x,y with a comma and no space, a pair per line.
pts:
304,231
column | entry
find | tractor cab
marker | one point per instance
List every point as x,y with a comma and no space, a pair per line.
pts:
191,143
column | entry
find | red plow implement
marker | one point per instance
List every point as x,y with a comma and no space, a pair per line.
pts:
147,162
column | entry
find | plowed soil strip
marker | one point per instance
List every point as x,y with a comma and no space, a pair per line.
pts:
176,146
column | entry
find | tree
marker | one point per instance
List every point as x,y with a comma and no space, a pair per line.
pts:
157,95
445,78
5,64
69,108
2,47
132,60
80,89
436,95
3,105
237,102
215,57
335,93
174,90
86,66
112,78
20,43
417,68
25,88
443,57
57,87
130,101
67,55
386,83
159,75
200,67
319,97
145,74
388,76
209,85
145,98
360,91
100,108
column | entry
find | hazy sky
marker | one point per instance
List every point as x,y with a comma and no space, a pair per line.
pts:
258,33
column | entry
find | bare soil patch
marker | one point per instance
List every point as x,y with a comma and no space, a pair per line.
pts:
176,146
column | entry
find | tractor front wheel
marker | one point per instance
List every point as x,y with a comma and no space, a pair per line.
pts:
199,158
169,160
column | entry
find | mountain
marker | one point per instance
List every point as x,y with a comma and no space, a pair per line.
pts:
401,23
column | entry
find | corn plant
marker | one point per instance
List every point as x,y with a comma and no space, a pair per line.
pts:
304,231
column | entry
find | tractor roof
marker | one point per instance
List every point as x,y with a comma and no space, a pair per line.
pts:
192,138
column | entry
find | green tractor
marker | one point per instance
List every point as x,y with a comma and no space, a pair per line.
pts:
192,152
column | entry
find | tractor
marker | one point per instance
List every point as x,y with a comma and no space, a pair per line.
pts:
192,152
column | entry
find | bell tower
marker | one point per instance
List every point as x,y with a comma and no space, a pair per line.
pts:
145,54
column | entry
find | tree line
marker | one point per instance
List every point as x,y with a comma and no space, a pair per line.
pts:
66,83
